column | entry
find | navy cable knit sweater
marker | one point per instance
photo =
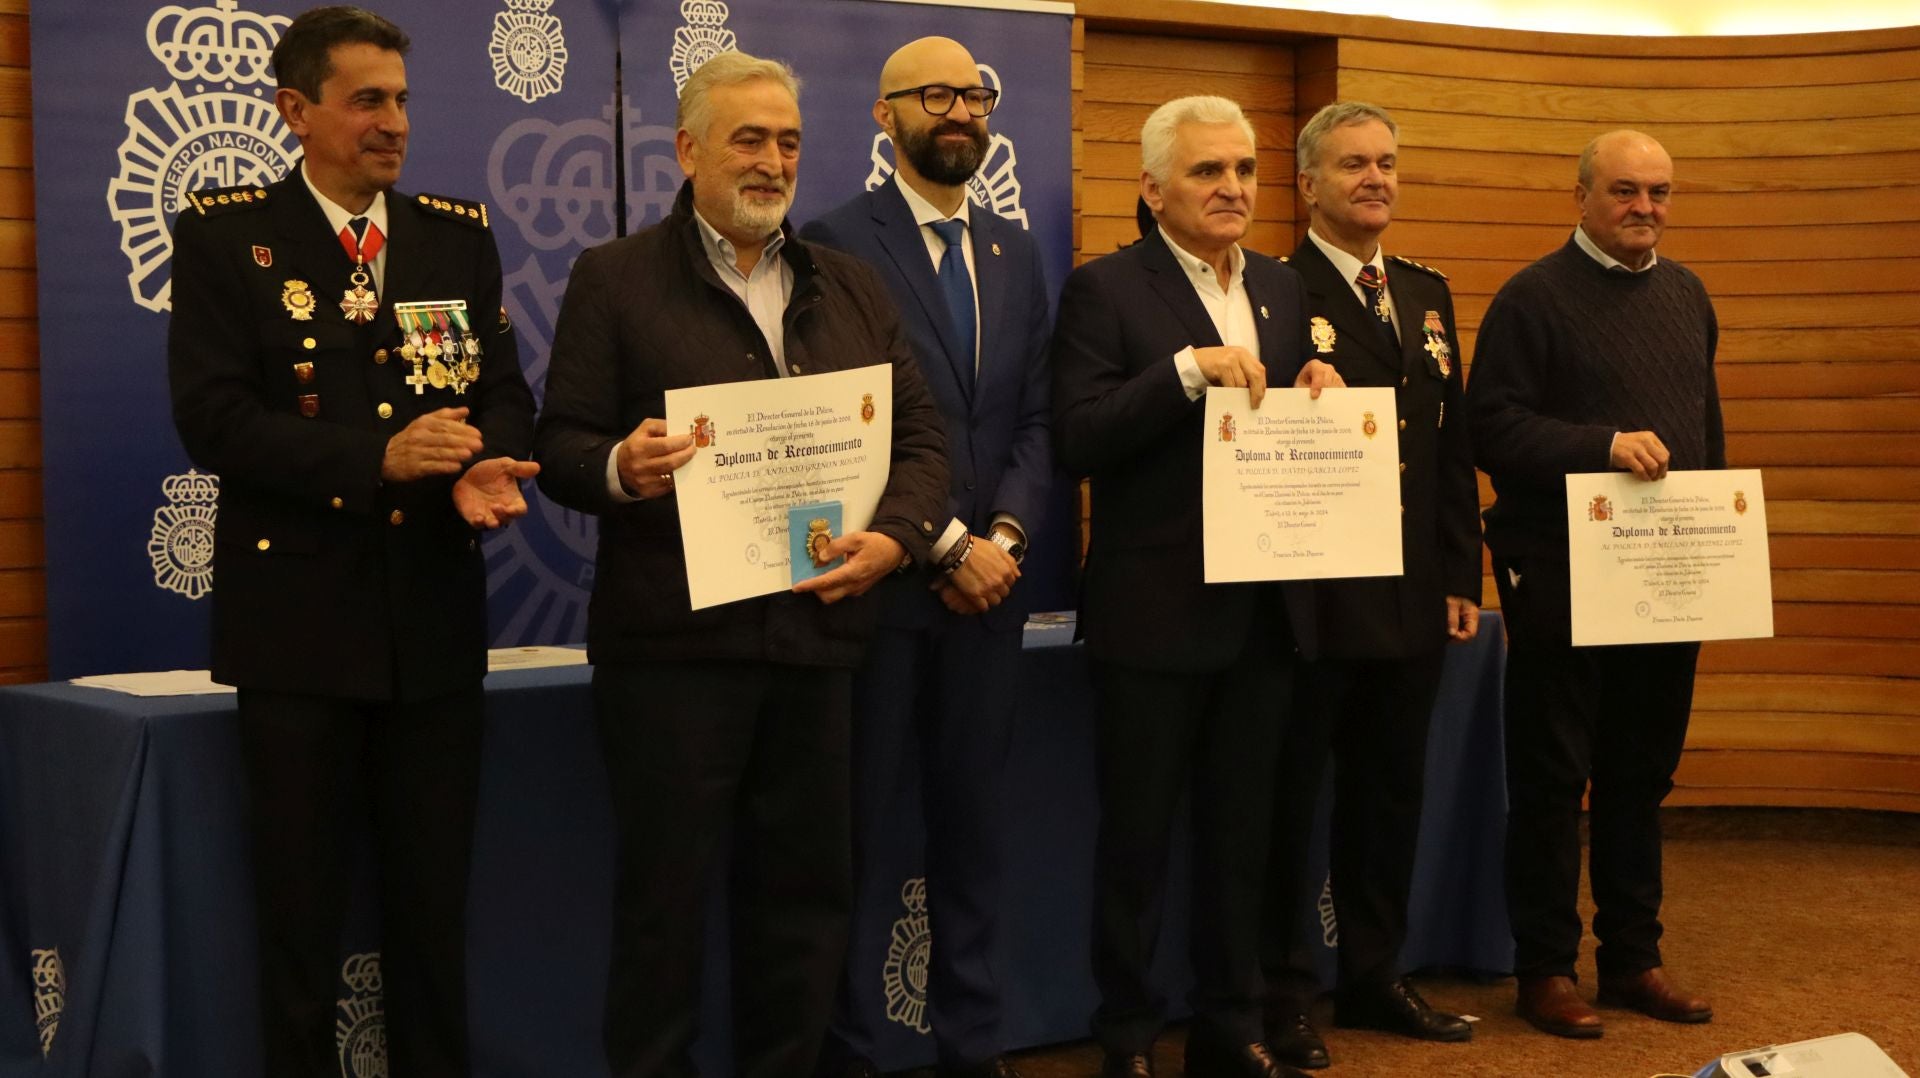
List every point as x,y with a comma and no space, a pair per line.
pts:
1571,353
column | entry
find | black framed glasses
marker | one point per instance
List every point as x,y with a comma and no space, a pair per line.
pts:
937,98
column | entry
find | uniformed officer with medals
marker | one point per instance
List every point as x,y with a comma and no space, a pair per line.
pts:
1387,322
357,474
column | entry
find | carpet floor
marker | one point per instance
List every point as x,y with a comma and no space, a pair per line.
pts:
1796,924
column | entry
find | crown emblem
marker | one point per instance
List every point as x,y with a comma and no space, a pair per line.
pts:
704,37
215,44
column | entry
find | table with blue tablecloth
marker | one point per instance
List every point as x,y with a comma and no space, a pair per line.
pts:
126,925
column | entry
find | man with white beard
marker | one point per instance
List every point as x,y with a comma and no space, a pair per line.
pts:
733,719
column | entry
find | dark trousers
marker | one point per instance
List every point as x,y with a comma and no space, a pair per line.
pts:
936,704
1158,735
1606,721
1369,718
697,752
317,768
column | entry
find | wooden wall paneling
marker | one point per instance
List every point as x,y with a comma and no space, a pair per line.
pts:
23,585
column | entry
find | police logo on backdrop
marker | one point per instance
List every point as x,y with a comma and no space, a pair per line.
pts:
554,183
1329,924
904,973
528,49
181,544
49,995
704,37
360,1023
213,126
994,185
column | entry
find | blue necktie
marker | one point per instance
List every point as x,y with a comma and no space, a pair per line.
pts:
958,287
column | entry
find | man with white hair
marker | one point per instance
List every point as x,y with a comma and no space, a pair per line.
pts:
1191,679
732,719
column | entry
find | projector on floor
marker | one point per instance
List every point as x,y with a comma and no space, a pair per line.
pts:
1846,1055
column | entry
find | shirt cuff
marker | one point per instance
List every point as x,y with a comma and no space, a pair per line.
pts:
1194,382
615,489
955,532
1010,521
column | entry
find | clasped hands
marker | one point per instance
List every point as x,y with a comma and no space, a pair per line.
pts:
441,442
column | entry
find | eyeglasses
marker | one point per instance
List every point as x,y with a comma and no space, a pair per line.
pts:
937,98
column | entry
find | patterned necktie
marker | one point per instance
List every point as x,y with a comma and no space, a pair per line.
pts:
958,287
1373,285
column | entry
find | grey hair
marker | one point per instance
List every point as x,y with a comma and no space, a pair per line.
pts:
729,68
1306,148
1157,134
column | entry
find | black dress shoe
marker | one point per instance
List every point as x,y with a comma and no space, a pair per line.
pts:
997,1067
1208,1060
1134,1066
1293,1041
1396,1008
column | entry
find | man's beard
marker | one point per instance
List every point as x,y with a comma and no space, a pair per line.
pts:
755,216
946,165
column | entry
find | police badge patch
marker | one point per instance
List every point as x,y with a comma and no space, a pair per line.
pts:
528,50
181,543
904,974
49,995
214,126
360,1024
704,37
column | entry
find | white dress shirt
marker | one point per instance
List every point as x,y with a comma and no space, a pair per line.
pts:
338,218
1229,308
1349,267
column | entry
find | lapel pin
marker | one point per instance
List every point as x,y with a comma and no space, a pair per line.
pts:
1263,310
262,256
996,249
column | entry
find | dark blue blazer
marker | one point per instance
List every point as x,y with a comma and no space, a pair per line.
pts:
1122,419
998,445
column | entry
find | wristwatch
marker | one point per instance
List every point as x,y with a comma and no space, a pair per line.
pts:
1015,549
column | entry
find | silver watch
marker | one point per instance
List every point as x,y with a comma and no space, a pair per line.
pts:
1015,549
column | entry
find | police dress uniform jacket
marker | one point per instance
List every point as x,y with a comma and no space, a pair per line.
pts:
1406,615
999,451
1122,418
327,580
648,313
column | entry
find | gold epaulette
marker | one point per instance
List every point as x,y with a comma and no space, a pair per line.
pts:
226,199
473,213
1416,265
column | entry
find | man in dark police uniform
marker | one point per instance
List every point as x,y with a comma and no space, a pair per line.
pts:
357,465
1382,321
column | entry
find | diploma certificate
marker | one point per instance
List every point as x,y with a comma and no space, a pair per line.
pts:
1301,489
763,447
1681,558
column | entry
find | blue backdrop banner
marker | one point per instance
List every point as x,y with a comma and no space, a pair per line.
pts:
137,103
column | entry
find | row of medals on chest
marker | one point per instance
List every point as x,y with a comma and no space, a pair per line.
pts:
438,343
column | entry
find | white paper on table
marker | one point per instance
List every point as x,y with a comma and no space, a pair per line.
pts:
157,683
534,657
1679,559
775,443
1301,489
